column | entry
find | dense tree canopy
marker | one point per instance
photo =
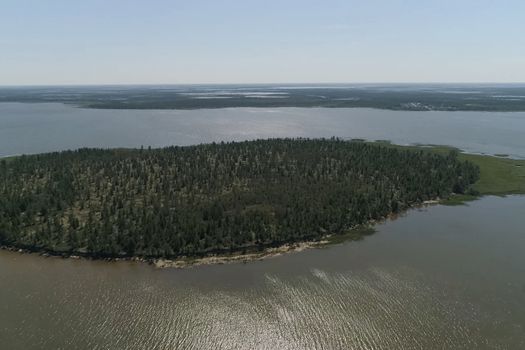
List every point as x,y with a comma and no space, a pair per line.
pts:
214,197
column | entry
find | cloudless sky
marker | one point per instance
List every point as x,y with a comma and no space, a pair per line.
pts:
264,41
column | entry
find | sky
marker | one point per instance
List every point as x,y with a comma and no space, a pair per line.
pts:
66,42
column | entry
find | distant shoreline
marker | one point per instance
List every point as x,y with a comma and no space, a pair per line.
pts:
398,97
257,106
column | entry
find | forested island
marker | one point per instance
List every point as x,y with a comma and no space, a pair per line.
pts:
214,198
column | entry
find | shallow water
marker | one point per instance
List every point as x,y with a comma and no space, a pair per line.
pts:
44,127
439,277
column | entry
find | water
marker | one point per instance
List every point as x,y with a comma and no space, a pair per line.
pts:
43,127
437,278
441,277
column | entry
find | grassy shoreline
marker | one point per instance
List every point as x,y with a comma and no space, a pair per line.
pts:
499,174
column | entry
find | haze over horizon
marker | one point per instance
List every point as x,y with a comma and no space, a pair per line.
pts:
61,42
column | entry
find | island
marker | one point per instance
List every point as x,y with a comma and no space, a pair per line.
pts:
213,199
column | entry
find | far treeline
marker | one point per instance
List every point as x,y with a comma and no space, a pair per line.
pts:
419,97
213,198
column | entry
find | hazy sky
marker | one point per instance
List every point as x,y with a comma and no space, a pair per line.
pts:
264,41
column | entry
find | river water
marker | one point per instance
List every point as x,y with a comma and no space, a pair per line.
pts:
436,278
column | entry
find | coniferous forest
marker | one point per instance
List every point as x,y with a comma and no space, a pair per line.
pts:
213,198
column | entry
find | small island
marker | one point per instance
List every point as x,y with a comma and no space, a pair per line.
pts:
214,199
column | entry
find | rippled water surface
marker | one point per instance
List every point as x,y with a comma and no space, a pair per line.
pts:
437,278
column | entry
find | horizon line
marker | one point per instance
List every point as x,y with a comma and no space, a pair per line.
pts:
261,84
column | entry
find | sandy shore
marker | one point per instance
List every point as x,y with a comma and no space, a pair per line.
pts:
184,262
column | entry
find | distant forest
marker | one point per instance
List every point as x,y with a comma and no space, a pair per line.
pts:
213,198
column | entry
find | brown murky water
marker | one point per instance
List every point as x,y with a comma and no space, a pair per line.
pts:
437,278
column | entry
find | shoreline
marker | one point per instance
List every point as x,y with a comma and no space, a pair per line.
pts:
251,254
394,108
